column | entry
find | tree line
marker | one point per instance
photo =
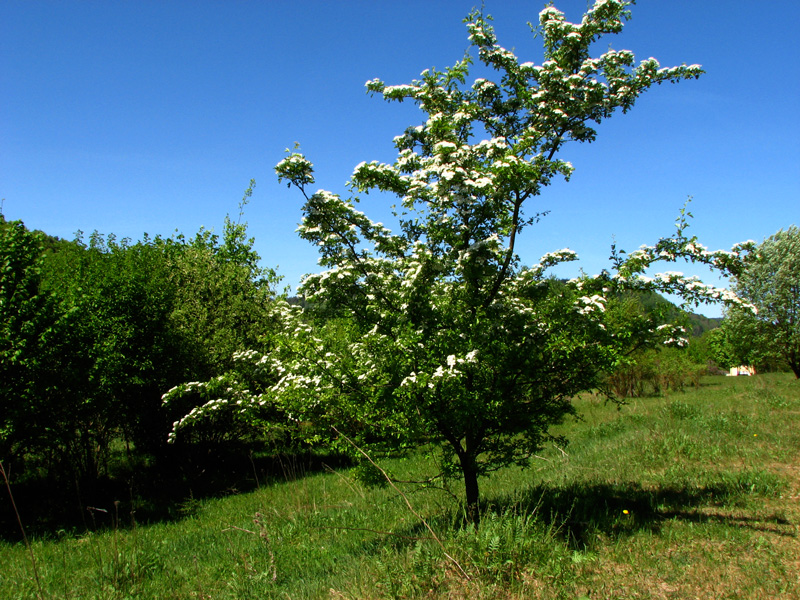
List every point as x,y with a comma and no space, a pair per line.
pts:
93,331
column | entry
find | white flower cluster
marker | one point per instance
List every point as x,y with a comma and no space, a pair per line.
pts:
690,288
534,273
630,271
230,394
296,169
677,335
588,304
182,389
399,91
481,251
447,372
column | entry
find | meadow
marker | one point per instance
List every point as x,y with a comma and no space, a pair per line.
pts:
692,494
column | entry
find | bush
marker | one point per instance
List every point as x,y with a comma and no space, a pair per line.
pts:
655,372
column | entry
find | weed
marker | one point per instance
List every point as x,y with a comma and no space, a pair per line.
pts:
678,409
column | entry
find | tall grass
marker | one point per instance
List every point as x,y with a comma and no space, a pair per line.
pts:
691,494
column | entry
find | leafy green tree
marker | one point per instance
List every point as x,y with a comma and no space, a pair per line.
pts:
143,317
771,283
225,305
123,345
92,333
45,409
222,292
738,342
30,327
436,334
718,349
700,351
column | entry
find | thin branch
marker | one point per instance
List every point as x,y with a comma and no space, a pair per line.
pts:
40,593
510,254
408,503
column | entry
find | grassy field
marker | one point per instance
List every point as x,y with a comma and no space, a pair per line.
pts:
692,495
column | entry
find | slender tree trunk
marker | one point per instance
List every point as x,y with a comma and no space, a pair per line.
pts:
466,460
471,488
793,358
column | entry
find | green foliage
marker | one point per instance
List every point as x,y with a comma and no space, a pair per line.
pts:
741,341
93,333
701,324
700,350
33,334
771,283
718,349
122,298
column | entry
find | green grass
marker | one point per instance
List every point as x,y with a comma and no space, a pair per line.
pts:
692,495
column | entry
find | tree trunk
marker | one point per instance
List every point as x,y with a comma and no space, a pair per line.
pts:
793,358
471,488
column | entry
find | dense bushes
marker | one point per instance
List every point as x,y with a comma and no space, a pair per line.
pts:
35,334
94,333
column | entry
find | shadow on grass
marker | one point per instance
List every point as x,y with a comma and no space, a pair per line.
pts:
580,512
165,489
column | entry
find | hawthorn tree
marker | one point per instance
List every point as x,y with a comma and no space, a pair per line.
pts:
435,334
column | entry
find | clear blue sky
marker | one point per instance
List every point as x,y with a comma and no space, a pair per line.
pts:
144,116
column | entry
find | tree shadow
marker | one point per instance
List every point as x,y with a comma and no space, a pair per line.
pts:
581,511
158,489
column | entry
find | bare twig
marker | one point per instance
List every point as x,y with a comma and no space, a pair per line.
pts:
408,504
22,529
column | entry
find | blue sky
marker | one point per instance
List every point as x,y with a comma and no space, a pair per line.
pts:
132,117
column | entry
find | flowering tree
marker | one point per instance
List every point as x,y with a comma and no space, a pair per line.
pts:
434,333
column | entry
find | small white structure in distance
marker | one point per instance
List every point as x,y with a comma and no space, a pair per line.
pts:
742,370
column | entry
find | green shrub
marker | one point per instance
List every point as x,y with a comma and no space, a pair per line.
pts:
655,372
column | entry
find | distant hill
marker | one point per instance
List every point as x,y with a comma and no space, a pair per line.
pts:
701,323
